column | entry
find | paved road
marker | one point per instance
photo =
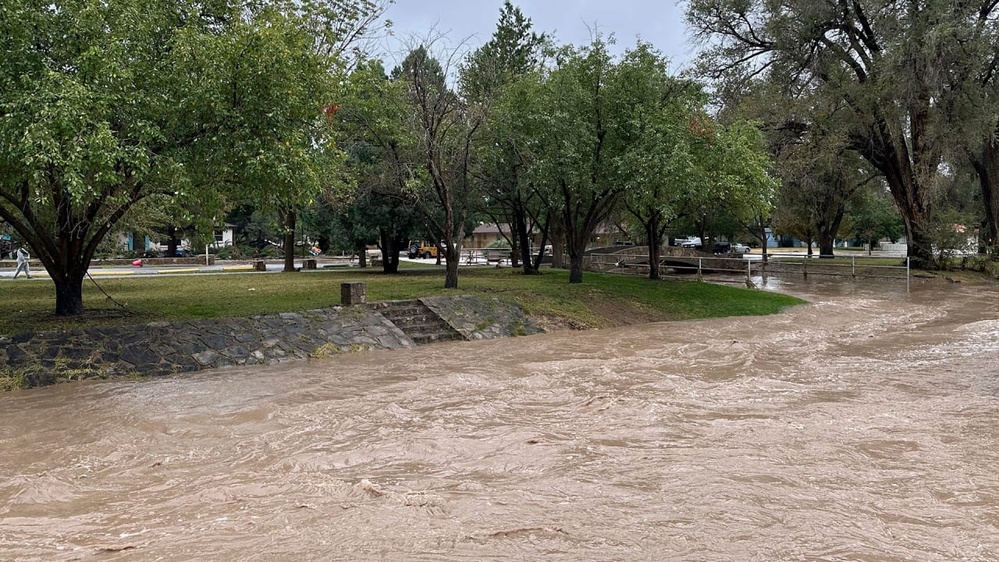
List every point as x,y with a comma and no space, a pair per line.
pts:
147,270
38,273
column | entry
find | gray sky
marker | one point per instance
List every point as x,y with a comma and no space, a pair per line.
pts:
473,21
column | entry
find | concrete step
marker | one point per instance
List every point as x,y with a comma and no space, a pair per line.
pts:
425,338
419,323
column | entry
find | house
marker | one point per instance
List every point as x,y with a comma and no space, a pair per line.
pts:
224,236
486,233
132,242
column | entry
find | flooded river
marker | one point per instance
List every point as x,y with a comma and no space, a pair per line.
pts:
862,427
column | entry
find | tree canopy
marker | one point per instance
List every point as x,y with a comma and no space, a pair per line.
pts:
890,66
104,105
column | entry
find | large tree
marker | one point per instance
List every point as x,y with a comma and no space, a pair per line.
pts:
512,51
971,97
882,60
808,136
374,116
338,31
106,104
570,113
734,177
659,134
819,176
444,126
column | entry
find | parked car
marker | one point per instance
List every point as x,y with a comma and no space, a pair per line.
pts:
740,248
692,242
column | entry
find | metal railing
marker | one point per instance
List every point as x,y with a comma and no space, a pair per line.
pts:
838,266
750,265
485,256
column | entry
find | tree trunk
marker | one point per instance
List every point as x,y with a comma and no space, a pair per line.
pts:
453,256
289,218
576,246
558,249
515,255
987,168
653,241
915,215
391,245
362,256
69,294
910,199
763,239
708,235
826,245
536,266
827,234
171,250
920,244
520,223
575,268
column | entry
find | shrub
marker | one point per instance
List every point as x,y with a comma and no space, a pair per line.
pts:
498,244
228,253
270,251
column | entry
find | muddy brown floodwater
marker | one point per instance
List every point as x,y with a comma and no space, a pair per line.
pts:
861,427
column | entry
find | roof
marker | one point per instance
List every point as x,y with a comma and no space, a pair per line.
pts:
491,228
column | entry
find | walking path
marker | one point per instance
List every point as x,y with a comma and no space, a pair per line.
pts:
37,272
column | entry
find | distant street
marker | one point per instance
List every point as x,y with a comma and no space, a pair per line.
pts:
273,266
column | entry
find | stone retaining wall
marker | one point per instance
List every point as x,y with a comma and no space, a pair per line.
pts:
476,319
162,348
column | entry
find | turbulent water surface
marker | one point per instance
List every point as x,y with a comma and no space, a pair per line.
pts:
860,427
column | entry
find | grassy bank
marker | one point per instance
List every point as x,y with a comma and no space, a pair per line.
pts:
601,301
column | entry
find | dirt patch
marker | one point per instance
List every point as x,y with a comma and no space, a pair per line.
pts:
621,313
958,276
611,313
554,323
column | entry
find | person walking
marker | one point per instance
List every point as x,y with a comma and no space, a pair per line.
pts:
22,263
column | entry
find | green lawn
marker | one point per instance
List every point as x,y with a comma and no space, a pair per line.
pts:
600,301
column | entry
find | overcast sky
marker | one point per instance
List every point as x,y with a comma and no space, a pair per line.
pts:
473,22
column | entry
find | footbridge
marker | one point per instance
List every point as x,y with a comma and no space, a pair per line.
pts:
675,261
680,261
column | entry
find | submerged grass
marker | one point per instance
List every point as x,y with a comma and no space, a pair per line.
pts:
600,301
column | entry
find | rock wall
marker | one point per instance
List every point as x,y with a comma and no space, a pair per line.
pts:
476,319
162,348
